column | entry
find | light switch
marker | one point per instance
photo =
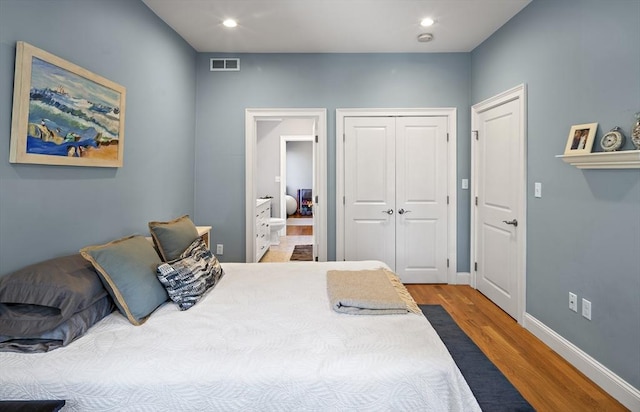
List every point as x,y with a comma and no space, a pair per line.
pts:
277,179
537,189
465,183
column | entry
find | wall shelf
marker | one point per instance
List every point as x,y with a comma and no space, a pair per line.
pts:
626,159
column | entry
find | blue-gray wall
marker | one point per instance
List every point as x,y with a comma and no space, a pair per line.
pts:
581,62
328,81
579,58
48,211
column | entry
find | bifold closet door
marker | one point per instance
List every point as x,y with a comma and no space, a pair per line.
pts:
395,194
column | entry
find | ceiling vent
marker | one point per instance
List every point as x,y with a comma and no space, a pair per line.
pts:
224,65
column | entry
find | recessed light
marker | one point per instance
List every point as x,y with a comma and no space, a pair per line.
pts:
427,22
230,23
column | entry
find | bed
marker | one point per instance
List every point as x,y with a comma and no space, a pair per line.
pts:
264,339
191,334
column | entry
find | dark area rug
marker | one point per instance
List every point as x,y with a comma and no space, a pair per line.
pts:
491,388
302,252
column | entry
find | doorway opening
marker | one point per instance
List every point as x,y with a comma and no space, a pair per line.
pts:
269,133
294,241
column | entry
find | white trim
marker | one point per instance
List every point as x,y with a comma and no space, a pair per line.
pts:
252,116
463,278
283,173
518,93
611,383
451,114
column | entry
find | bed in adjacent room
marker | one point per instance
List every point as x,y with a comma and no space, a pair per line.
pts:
265,338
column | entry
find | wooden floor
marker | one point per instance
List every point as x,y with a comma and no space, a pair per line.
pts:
546,380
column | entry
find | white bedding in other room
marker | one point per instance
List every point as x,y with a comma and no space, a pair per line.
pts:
265,339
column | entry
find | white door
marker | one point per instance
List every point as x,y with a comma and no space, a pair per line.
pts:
499,217
396,194
421,199
370,179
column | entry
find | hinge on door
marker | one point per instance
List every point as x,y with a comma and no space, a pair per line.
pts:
447,137
475,266
316,138
447,199
344,202
343,137
475,134
316,198
476,200
447,262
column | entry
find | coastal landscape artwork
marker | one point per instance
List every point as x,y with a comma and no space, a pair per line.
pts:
64,114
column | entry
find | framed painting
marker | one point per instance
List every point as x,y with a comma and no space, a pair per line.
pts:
580,140
64,114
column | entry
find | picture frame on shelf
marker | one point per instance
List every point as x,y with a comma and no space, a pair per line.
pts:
64,114
580,140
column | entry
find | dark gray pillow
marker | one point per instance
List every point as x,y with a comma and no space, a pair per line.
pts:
172,238
127,267
40,297
62,335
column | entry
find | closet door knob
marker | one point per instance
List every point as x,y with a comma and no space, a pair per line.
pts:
402,211
389,212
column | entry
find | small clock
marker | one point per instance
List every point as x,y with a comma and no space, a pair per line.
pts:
613,140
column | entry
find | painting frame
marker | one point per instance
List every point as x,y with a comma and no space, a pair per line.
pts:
77,122
580,140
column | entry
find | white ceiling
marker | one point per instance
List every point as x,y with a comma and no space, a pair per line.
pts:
335,26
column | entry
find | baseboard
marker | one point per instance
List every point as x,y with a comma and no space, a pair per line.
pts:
614,385
463,278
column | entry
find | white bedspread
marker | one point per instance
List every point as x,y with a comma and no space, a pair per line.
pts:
265,339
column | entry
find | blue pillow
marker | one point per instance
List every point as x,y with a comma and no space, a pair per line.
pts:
172,238
127,268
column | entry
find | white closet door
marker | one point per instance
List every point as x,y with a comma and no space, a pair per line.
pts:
396,194
369,165
421,199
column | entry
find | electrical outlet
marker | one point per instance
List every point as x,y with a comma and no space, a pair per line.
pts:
586,308
465,183
573,302
219,249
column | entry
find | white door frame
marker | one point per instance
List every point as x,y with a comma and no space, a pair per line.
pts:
518,93
252,116
451,114
283,172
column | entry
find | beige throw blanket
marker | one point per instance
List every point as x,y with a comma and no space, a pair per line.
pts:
368,292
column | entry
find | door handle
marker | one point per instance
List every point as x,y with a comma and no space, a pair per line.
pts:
513,222
389,211
402,211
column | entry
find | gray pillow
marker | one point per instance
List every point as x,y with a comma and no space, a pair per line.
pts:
62,335
173,237
127,267
40,297
188,278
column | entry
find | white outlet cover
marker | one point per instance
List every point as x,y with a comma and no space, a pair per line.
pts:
465,183
573,302
586,308
537,189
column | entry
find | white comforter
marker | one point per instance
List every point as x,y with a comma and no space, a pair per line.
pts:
264,339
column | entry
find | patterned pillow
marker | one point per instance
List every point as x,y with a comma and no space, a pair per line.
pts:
188,278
